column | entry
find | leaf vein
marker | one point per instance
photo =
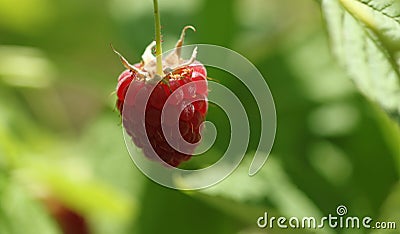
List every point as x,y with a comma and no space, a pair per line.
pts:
382,11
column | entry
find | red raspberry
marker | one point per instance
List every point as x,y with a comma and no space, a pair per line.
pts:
185,88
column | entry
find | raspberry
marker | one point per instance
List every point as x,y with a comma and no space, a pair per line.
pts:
181,94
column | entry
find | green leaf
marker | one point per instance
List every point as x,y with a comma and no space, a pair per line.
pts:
71,182
22,214
390,211
244,196
25,67
365,37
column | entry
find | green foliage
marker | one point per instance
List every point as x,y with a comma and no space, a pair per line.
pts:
365,36
61,138
20,213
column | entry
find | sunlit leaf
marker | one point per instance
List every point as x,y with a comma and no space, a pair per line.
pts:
365,37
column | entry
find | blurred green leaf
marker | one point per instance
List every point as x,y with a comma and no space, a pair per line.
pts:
26,16
167,210
270,184
365,37
322,79
21,214
70,181
390,211
391,134
25,67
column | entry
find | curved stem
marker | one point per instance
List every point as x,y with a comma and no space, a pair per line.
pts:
158,39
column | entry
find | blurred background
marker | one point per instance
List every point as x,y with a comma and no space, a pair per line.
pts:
64,167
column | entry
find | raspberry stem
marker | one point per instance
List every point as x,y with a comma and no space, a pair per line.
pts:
159,70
